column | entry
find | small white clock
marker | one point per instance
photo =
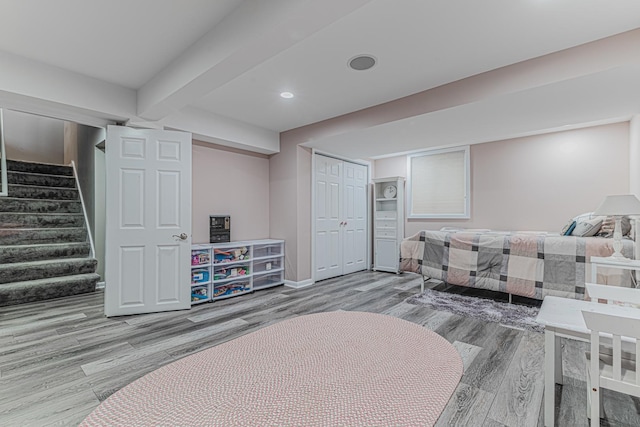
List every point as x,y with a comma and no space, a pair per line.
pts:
390,192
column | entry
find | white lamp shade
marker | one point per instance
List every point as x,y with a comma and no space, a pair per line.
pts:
625,204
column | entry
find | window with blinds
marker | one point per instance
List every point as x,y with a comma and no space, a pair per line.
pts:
439,184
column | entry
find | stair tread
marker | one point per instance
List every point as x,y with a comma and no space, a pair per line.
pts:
27,199
50,228
57,279
17,265
43,245
27,162
41,174
36,206
15,166
48,187
40,179
43,213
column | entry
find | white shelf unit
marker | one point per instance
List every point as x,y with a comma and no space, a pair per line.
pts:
388,225
224,270
200,274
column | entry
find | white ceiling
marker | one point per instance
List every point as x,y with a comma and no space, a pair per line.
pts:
232,58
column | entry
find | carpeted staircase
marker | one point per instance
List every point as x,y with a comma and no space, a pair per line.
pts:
44,250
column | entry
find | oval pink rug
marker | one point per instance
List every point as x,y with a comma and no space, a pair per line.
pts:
328,369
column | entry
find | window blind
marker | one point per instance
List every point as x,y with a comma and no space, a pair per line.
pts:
439,184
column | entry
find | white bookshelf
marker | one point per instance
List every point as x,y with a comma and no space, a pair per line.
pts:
388,225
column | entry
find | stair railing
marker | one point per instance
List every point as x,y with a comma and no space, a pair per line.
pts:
3,160
84,210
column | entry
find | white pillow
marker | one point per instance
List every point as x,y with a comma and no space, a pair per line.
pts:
583,217
587,227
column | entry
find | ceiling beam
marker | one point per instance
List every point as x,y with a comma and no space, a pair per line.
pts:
253,33
590,59
35,87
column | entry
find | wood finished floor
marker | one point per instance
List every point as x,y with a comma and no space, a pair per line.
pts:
59,359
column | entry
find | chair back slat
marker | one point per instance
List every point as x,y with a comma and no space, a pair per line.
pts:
595,350
617,325
617,358
613,293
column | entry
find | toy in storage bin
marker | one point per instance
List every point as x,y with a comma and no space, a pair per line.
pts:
199,293
200,275
230,289
200,257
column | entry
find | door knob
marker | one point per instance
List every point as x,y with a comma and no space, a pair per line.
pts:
181,236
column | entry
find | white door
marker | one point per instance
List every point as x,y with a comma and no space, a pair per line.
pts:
328,245
354,217
148,221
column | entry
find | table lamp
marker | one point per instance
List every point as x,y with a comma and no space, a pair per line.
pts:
618,206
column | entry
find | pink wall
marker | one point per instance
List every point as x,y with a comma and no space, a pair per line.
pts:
537,182
233,182
290,188
33,138
283,183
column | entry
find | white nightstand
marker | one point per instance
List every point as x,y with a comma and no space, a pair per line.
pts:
597,261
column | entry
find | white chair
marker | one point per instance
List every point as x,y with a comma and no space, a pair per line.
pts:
616,372
614,294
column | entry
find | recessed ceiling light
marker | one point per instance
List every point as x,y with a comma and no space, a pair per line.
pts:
286,95
362,62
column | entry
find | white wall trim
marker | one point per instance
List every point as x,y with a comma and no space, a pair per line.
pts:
346,159
313,214
300,284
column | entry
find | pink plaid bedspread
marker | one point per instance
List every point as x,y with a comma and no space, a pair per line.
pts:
530,265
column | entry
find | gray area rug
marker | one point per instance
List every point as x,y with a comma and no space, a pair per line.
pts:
512,315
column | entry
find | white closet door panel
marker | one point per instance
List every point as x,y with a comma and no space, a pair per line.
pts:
328,243
350,255
360,242
322,262
334,201
132,276
355,217
335,256
168,267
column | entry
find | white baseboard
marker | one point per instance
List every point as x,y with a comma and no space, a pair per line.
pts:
298,285
100,285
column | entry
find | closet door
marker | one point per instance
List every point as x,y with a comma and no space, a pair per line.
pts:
354,218
329,194
340,217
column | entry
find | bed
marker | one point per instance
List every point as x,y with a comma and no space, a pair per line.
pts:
531,265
